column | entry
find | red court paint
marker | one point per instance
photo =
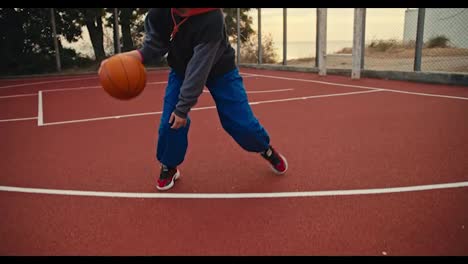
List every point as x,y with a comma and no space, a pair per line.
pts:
373,140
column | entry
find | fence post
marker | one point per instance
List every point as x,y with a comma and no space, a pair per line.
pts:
238,36
285,35
322,40
363,44
116,32
260,54
419,39
357,43
317,23
54,35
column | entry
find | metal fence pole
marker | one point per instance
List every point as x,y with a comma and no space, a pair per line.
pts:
238,36
285,35
322,40
317,38
54,35
260,55
419,39
116,32
363,44
357,43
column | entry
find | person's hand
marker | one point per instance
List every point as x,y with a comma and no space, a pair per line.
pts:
102,65
134,53
178,121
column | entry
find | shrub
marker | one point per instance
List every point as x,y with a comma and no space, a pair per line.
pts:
438,42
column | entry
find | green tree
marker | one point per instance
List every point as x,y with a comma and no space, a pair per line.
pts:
131,23
245,23
92,19
26,44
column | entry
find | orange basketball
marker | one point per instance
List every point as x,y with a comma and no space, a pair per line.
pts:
123,77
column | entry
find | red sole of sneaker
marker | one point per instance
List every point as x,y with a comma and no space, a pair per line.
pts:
286,166
170,185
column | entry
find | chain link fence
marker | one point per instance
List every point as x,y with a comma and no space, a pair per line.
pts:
445,47
389,39
385,46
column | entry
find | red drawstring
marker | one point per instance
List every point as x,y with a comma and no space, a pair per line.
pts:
176,26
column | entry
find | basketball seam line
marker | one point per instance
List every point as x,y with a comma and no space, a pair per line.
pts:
126,76
139,78
110,79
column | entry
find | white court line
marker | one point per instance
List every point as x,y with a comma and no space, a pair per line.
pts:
426,94
314,81
100,118
65,89
74,88
311,97
261,91
17,95
117,117
18,119
244,74
203,108
44,82
237,195
362,87
86,87
40,116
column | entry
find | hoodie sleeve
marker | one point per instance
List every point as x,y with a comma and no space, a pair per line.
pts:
156,40
206,52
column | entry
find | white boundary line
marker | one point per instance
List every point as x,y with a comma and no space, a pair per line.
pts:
203,108
236,195
40,116
361,87
266,76
18,119
426,94
74,79
313,81
17,95
89,87
261,91
44,82
65,89
75,88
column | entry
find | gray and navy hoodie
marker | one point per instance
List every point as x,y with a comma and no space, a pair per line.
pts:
197,46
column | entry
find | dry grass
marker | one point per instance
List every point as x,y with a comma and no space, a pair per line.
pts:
409,53
301,61
398,49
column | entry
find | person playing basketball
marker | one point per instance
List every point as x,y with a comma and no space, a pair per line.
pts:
199,55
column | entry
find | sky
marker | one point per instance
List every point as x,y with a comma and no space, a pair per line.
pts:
381,23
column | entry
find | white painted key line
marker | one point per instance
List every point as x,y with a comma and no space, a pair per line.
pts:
236,195
40,115
204,108
44,82
65,89
261,91
74,79
74,89
18,119
358,86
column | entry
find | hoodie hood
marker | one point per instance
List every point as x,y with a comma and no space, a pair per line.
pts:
193,11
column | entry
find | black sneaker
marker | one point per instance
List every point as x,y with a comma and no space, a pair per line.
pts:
278,162
167,177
